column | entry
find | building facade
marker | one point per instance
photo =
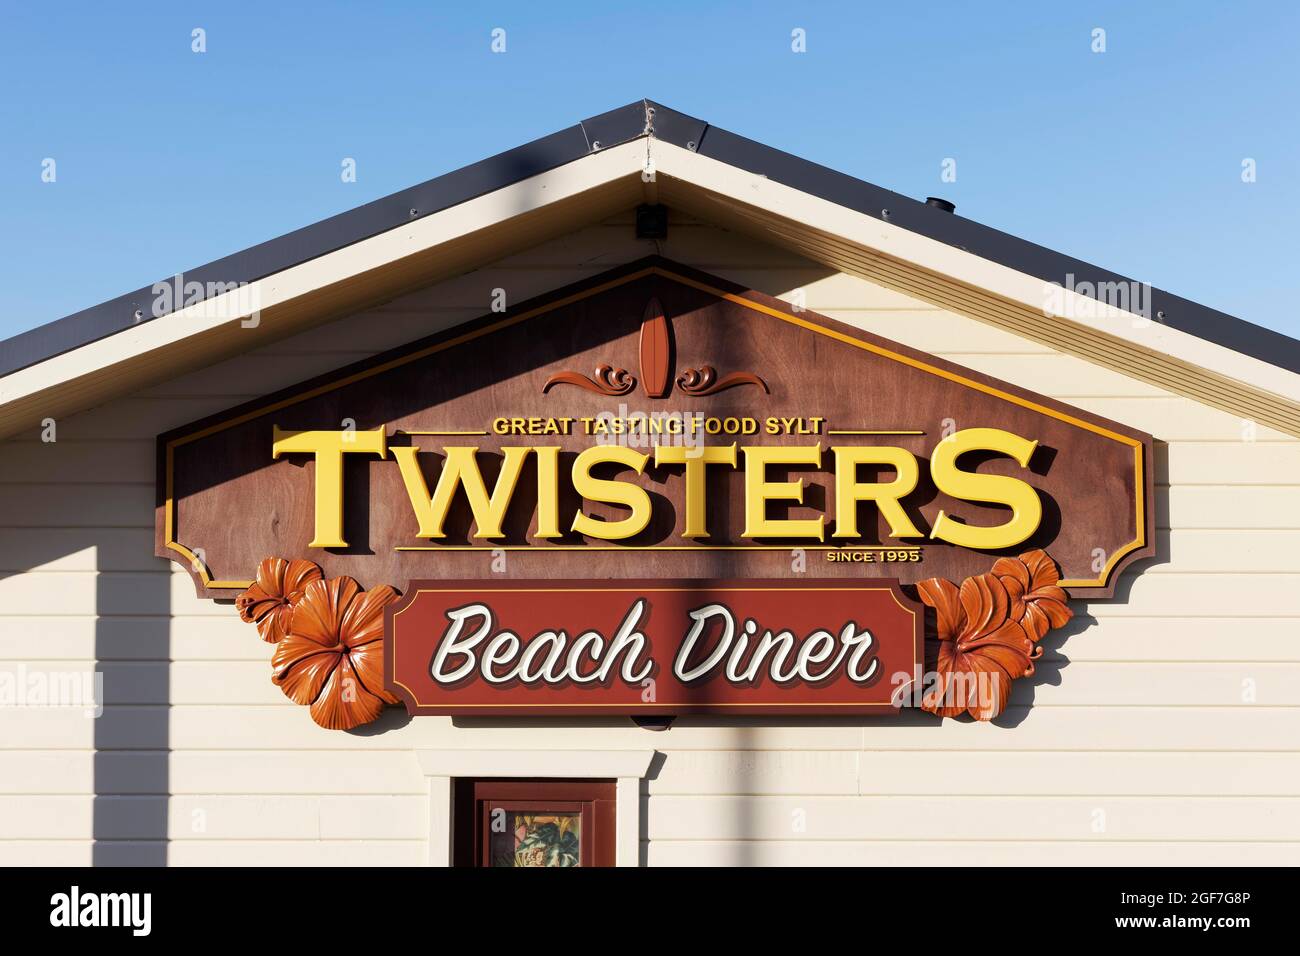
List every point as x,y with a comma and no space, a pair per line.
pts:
1154,722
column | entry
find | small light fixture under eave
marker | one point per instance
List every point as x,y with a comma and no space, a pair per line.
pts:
652,221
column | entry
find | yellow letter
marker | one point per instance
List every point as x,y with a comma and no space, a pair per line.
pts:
548,491
329,448
1021,498
695,460
759,491
460,468
849,491
629,496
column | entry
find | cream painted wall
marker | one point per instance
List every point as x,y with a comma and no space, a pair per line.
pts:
1164,728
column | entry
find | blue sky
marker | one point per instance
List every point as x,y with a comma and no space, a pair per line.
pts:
1131,158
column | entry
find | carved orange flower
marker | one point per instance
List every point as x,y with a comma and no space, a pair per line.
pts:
981,651
269,601
1037,602
332,659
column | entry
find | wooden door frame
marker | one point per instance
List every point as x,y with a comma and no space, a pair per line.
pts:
628,768
473,801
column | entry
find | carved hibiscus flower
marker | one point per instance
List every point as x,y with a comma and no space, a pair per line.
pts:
981,651
1037,602
332,659
269,601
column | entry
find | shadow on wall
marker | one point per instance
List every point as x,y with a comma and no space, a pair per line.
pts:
1054,660
749,831
132,736
743,835
131,631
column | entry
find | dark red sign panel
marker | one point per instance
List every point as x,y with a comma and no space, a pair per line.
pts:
652,647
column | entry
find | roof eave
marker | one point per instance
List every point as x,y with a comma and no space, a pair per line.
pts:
351,277
523,195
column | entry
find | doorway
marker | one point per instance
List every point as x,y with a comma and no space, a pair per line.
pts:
532,822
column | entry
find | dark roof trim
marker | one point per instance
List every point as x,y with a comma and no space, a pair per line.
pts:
328,235
987,243
610,129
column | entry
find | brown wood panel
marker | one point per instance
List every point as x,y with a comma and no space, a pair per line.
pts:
230,501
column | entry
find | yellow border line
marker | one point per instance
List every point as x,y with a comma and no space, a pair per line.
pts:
205,576
918,652
658,547
408,431
854,431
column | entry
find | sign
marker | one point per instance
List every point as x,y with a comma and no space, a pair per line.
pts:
654,647
654,423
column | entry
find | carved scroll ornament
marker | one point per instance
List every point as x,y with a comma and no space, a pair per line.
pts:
655,349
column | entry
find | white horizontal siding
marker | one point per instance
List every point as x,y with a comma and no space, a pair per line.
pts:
1057,682
45,853
975,854
1083,728
1009,817
1186,594
325,853
1174,709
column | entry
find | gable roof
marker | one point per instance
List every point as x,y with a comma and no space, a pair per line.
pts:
853,225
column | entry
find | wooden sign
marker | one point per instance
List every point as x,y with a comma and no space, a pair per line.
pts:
653,423
658,647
